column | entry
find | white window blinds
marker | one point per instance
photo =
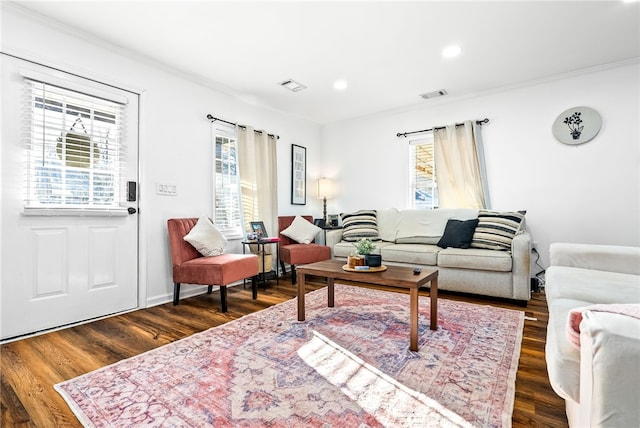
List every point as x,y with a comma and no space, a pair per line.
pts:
227,209
422,177
75,151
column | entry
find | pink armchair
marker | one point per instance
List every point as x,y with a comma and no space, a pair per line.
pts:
294,253
191,267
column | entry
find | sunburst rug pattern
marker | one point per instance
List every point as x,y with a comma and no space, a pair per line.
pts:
347,366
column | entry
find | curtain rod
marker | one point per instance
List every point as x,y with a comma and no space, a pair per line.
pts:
214,119
435,128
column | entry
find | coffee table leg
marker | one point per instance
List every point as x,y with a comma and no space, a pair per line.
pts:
331,292
433,296
301,296
413,315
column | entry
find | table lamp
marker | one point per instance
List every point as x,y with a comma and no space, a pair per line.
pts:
325,191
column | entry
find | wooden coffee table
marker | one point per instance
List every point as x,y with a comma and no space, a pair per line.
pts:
394,276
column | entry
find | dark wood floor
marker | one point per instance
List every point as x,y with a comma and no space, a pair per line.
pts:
30,367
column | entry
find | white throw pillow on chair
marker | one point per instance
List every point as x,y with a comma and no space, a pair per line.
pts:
206,238
302,231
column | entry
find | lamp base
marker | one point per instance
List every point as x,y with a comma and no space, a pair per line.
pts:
324,210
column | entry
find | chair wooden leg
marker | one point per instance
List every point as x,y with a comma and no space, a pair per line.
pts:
254,287
223,297
294,278
176,293
210,289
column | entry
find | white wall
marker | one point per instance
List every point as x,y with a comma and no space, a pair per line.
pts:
175,139
588,193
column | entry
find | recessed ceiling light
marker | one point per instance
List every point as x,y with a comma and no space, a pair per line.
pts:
292,85
451,51
340,85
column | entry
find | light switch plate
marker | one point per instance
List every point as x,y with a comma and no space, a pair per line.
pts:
167,189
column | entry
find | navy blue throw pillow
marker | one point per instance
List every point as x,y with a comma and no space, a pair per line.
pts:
458,233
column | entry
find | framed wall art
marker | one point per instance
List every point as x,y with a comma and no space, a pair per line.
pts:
298,175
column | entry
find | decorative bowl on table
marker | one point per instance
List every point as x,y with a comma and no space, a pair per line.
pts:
373,260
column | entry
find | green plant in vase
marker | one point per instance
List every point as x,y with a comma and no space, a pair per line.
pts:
364,246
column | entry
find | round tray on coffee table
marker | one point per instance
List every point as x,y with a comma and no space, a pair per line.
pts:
381,268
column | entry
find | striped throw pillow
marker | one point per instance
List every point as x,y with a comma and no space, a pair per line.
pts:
496,230
360,224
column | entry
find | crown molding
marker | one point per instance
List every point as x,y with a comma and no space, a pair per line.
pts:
450,99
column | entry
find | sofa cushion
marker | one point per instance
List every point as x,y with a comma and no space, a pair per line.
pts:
345,249
359,224
299,254
458,233
427,226
388,221
420,254
475,258
496,230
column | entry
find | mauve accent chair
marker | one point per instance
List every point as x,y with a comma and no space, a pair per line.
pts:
294,253
191,267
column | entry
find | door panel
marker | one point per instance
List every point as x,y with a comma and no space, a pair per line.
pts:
60,269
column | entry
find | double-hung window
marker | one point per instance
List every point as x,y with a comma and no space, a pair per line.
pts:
75,156
227,209
422,169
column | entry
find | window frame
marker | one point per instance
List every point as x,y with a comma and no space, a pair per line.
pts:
68,104
234,228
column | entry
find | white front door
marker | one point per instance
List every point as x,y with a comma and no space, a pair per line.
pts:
63,265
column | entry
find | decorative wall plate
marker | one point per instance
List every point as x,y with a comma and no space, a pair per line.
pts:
577,125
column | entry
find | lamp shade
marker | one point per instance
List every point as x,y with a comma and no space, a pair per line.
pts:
325,188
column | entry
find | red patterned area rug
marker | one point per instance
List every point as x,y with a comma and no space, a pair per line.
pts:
347,366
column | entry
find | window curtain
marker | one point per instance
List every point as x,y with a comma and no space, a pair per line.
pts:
460,167
258,178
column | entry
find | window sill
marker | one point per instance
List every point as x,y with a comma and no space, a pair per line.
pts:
74,212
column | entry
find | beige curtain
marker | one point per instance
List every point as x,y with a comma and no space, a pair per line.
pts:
258,178
458,169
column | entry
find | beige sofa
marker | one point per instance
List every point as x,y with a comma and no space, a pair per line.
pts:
410,238
599,378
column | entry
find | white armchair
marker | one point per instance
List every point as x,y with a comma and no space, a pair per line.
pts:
600,380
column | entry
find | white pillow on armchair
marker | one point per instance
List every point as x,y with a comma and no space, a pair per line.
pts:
206,238
301,231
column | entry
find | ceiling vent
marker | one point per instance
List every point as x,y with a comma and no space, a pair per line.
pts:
292,85
434,94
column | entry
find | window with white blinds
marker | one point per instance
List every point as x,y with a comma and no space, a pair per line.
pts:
422,174
227,209
75,156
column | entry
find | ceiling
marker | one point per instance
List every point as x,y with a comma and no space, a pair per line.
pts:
388,52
